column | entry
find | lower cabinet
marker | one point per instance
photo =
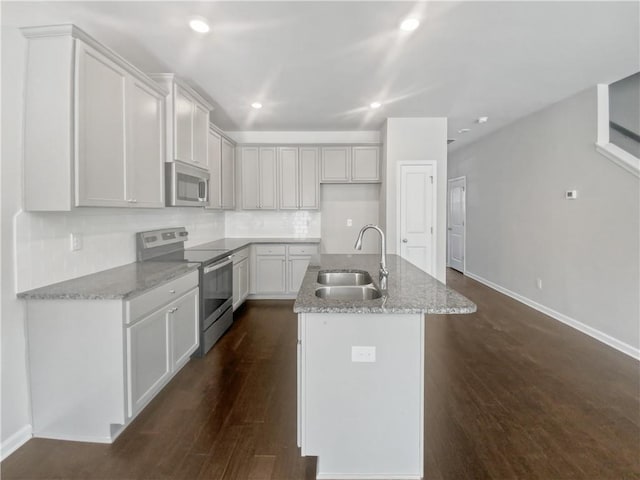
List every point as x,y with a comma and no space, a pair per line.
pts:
279,269
95,364
240,277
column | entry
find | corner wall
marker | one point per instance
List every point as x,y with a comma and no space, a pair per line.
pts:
520,227
415,139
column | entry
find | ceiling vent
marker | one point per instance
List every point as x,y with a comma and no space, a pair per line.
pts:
450,140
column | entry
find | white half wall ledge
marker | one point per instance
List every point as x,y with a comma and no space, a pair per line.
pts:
15,441
561,317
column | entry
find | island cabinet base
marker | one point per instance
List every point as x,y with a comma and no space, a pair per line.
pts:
361,394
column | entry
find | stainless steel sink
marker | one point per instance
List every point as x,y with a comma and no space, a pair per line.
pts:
340,278
366,292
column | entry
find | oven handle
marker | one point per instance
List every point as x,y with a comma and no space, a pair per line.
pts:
218,266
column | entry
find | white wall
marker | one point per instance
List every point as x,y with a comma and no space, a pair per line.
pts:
35,246
520,227
415,139
305,137
360,203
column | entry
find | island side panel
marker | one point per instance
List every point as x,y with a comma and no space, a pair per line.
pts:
76,358
363,419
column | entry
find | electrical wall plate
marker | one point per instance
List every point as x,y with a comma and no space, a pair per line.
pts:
571,194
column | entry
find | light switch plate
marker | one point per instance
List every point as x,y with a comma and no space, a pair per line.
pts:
363,354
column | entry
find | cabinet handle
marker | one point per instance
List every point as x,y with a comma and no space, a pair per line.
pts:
173,310
172,291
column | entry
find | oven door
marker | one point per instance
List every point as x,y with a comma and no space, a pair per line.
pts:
186,186
217,290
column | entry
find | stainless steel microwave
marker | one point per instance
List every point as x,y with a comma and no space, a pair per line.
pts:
187,186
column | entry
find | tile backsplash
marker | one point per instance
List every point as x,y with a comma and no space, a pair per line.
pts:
43,240
295,223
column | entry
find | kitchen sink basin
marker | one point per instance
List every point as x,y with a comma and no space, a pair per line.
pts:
366,292
341,278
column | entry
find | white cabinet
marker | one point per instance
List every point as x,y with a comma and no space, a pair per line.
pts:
365,165
258,175
214,149
240,277
187,121
95,364
280,268
350,164
335,164
298,184
93,126
148,359
228,175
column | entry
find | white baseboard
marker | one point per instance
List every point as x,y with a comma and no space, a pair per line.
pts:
15,441
366,476
561,317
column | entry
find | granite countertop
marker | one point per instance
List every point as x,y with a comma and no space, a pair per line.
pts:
410,290
116,283
235,244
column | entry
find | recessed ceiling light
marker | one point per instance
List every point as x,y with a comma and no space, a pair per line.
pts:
375,105
199,25
464,130
256,105
409,24
482,119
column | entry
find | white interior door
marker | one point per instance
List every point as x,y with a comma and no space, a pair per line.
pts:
456,223
416,215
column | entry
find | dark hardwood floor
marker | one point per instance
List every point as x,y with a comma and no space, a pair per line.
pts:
510,394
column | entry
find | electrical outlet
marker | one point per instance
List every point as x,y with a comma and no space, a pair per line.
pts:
363,354
75,242
349,222
539,283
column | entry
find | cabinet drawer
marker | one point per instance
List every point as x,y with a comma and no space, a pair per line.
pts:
154,299
270,249
303,249
240,255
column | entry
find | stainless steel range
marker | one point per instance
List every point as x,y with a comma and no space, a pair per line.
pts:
216,278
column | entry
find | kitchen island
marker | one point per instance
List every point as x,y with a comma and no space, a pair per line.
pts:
361,368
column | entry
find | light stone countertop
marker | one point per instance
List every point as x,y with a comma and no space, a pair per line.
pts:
410,290
117,283
235,244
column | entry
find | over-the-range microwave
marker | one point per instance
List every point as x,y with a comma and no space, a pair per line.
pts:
187,186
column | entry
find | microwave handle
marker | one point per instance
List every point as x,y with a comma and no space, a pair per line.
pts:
203,193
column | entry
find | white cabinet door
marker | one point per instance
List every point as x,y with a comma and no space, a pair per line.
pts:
244,280
183,125
268,178
365,165
200,135
270,274
145,146
228,175
297,268
335,164
289,178
147,359
309,190
100,130
250,172
184,326
214,149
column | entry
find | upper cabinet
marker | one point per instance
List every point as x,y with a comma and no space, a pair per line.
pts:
298,178
222,171
350,164
93,126
258,178
187,121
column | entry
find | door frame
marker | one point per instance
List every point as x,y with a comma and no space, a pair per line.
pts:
464,219
434,208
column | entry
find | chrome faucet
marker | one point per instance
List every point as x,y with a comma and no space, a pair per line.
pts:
384,273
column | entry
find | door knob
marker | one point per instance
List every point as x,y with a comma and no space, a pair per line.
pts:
404,240
449,228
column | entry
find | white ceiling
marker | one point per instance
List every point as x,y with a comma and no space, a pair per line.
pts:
318,65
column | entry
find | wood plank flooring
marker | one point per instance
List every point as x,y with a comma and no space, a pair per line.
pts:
510,394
